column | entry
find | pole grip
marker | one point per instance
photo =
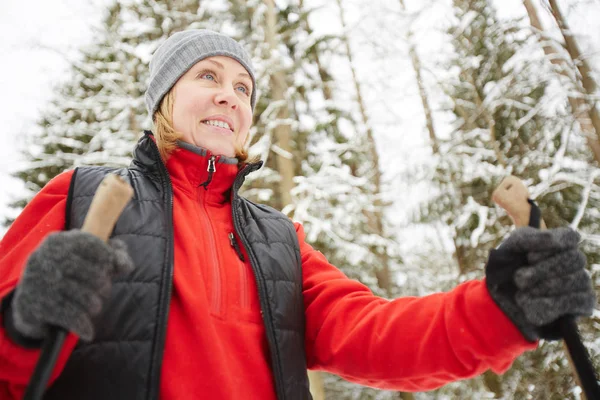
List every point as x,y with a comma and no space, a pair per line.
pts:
108,203
512,195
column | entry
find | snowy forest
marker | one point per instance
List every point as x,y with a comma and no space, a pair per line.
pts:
384,126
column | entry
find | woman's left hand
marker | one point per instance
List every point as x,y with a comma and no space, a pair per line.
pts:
536,277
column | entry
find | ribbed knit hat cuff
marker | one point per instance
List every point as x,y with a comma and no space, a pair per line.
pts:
167,68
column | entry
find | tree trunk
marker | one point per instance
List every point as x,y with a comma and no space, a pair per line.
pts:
416,63
282,132
584,112
433,137
375,218
132,117
587,80
375,221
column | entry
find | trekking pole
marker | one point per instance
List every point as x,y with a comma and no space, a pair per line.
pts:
512,195
110,199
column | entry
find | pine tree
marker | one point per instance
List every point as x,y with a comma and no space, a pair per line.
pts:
93,118
508,121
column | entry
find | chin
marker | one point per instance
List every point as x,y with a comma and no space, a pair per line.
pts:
220,151
216,147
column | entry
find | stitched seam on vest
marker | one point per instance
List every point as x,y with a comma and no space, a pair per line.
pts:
88,345
272,242
293,330
136,282
139,201
281,218
282,280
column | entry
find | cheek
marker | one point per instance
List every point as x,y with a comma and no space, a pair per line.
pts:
187,105
246,122
241,138
247,118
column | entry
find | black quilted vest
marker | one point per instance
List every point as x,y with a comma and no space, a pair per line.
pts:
124,360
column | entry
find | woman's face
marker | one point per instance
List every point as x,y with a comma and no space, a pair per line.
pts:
211,105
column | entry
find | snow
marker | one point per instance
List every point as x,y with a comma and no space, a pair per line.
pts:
38,39
380,36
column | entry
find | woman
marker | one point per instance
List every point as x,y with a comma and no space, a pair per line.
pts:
203,294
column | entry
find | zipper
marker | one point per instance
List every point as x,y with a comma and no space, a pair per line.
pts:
213,256
262,289
244,279
212,168
166,288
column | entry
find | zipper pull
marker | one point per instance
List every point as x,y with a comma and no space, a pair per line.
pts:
235,246
212,168
211,164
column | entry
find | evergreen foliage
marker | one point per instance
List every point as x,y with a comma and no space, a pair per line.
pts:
511,117
509,114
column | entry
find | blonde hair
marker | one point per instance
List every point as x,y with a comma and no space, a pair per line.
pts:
165,134
167,137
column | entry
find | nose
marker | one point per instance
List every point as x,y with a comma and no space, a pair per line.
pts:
226,97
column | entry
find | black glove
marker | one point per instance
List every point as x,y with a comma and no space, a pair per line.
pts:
65,283
537,277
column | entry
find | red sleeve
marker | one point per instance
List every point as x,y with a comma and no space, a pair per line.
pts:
44,214
407,344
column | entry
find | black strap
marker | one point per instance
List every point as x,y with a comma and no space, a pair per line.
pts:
567,328
9,326
70,200
581,358
535,217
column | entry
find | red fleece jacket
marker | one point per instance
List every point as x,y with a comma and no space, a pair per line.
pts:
216,343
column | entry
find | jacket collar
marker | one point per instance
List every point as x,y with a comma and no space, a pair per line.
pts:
200,172
146,157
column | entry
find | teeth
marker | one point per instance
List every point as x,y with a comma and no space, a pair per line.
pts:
220,124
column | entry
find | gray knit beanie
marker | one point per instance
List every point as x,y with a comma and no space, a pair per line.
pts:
181,52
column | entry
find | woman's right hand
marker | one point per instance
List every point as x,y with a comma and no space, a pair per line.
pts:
66,282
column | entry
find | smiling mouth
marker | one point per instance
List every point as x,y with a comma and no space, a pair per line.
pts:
218,124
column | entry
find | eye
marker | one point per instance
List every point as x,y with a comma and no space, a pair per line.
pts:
244,89
208,75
